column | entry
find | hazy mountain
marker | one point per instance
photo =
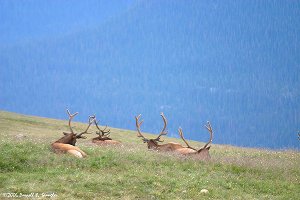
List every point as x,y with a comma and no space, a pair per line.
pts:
236,64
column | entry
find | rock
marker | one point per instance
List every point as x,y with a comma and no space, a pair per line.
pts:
20,136
204,191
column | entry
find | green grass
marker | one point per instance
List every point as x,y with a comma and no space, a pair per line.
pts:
130,171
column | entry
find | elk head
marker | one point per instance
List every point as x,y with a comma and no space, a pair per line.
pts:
202,153
103,134
152,143
71,138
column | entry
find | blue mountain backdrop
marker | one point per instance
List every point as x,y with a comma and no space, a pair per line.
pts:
234,63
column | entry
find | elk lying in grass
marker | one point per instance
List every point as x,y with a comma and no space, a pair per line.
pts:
103,136
67,143
153,143
203,153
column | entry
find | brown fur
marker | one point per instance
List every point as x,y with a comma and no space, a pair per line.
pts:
69,138
202,154
105,141
171,146
66,144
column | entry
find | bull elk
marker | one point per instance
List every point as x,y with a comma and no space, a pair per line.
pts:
202,153
66,144
153,143
103,136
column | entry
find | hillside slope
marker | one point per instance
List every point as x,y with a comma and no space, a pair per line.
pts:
131,171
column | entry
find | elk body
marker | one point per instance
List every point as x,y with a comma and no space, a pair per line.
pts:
103,136
154,143
202,153
66,144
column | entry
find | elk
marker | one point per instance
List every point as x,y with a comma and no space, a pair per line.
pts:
103,136
202,153
153,143
66,144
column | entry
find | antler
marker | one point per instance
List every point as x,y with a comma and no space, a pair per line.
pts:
181,135
71,116
102,133
91,121
163,131
209,128
138,124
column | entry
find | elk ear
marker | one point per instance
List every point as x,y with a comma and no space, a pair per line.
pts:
208,148
65,133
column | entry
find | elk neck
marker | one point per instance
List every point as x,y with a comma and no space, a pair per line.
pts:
68,139
203,153
152,144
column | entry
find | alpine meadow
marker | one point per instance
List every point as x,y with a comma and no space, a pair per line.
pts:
149,99
131,171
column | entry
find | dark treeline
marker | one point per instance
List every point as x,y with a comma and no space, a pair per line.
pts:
194,62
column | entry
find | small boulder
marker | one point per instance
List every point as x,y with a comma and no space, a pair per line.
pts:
204,191
20,136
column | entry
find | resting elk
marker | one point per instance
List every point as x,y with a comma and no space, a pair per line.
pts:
153,143
203,153
103,136
67,143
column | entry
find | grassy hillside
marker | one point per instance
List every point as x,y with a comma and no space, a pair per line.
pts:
131,171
